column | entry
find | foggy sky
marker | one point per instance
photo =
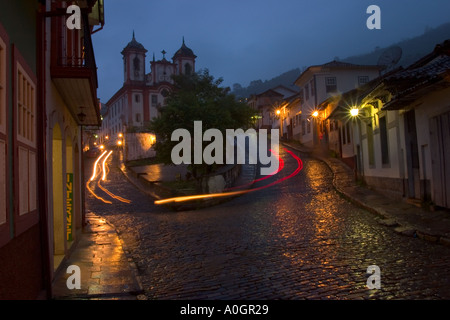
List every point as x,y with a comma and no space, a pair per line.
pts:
245,40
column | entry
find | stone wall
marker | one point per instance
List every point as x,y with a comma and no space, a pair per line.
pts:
139,146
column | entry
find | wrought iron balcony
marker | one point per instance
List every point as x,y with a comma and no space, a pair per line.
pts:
74,71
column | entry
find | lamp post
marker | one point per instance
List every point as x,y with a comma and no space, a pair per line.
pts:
281,123
314,116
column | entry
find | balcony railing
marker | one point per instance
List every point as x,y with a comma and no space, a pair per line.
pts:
73,68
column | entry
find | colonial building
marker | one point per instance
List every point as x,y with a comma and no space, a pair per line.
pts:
267,104
404,135
142,93
318,83
394,130
48,84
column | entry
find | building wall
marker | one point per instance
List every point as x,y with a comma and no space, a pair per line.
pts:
314,87
20,238
139,146
386,176
430,106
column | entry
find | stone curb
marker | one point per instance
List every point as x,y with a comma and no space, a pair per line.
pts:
387,220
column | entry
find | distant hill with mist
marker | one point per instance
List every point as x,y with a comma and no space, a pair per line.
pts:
412,50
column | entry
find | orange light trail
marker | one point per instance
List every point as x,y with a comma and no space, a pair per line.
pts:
94,176
228,194
94,172
103,165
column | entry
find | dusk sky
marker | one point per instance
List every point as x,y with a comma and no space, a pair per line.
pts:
245,40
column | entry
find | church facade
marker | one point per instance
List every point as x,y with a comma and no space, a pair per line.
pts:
142,94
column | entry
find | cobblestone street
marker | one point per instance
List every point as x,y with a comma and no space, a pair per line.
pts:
298,239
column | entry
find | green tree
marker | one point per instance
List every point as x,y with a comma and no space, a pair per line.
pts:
197,97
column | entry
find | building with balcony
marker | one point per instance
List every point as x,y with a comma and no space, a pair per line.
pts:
48,84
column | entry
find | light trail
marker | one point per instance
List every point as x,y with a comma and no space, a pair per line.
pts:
103,165
94,172
228,194
104,171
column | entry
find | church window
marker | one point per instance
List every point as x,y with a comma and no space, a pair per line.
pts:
187,69
136,64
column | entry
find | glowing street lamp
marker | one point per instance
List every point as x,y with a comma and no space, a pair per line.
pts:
354,112
315,114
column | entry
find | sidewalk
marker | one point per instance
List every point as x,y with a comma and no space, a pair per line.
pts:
106,272
405,218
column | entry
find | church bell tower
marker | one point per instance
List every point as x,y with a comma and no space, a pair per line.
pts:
134,61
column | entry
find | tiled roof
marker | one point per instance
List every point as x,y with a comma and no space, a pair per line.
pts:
436,67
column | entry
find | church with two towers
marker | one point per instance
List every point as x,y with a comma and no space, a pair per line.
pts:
143,93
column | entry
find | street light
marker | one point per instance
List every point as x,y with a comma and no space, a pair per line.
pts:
354,112
315,114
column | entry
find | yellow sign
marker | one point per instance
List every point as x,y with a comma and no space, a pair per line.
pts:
69,206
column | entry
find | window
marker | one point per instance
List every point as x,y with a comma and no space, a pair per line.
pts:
138,117
306,92
363,80
384,141
154,100
331,84
187,69
313,88
137,98
303,128
369,131
26,105
25,153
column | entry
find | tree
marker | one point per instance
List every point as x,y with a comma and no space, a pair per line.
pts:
197,97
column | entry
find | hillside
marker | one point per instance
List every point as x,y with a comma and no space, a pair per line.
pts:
257,86
412,50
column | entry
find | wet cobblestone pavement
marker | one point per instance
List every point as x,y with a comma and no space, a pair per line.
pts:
295,240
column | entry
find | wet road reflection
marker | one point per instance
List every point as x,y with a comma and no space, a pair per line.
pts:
297,239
